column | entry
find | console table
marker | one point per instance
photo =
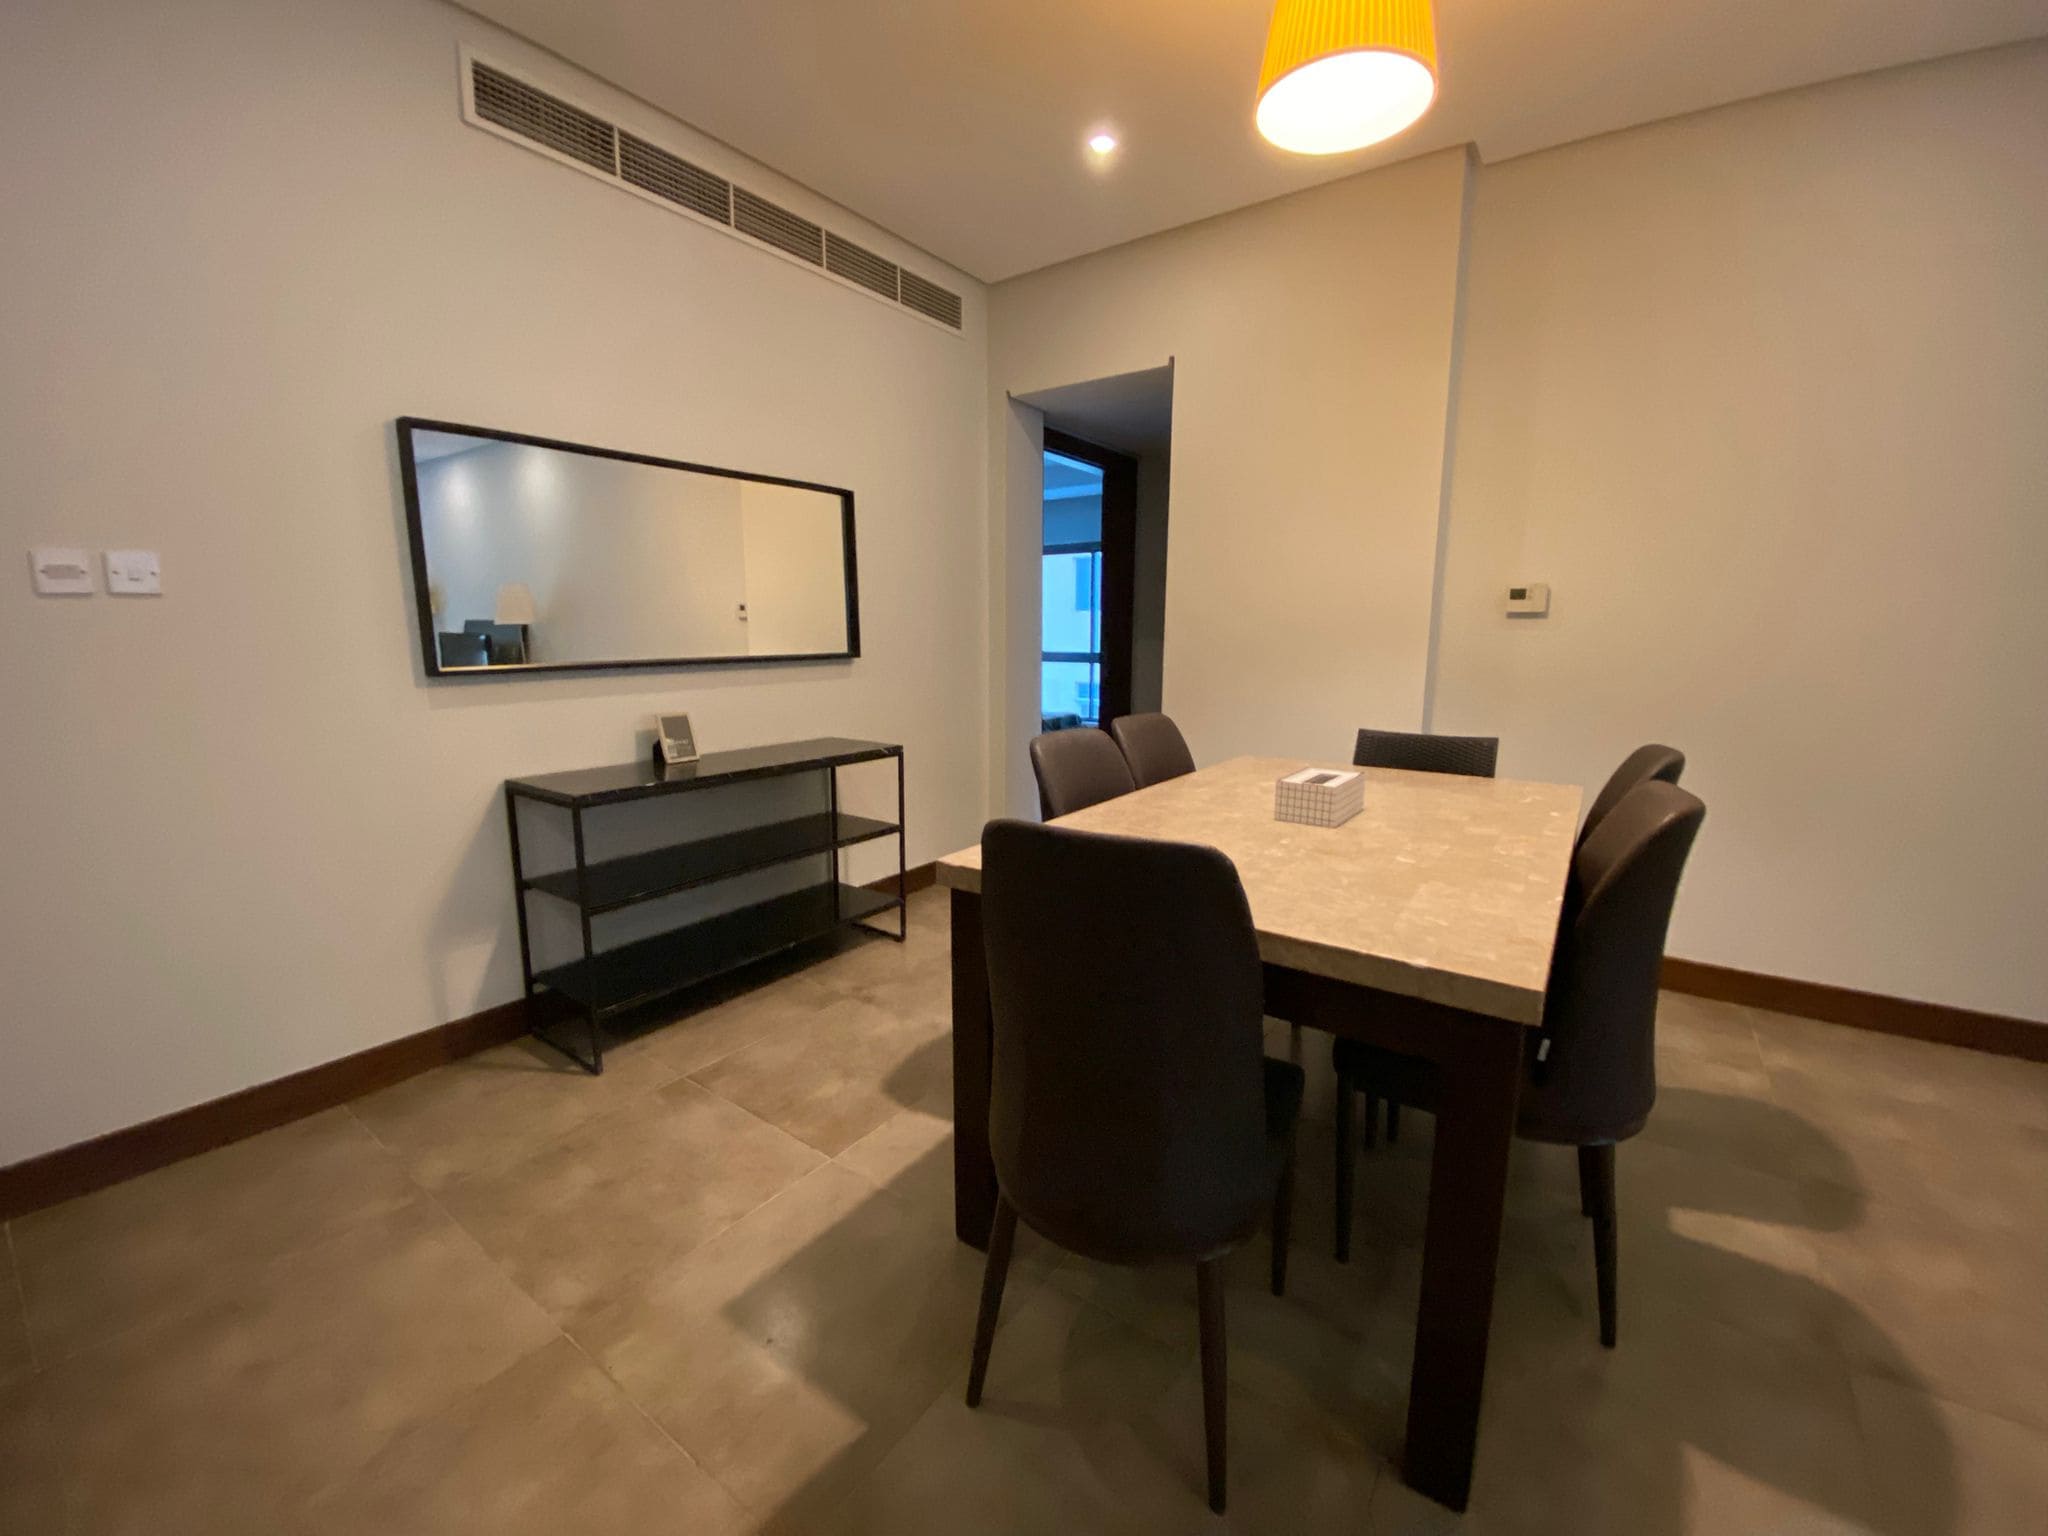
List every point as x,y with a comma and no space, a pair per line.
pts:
602,982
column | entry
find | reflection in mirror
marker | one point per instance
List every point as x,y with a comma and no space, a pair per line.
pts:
540,554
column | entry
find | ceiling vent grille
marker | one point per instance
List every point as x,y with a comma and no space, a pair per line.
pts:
857,264
504,104
774,225
930,299
535,115
653,169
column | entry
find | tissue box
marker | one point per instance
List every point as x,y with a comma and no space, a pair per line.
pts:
1319,797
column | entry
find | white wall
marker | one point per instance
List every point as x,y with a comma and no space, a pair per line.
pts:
1763,394
1311,345
245,835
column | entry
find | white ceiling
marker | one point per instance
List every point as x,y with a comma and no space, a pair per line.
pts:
958,124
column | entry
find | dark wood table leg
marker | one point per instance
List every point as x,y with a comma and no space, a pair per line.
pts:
974,1171
1481,1075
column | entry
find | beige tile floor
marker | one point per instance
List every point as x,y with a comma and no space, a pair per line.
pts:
716,1291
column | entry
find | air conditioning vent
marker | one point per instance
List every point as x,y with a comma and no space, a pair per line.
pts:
929,299
777,226
515,105
504,104
655,170
859,265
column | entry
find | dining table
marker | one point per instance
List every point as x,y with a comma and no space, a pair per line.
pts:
1423,924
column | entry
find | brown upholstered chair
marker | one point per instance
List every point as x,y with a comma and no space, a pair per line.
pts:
1420,752
1077,769
1153,747
1656,763
1593,1070
1134,1117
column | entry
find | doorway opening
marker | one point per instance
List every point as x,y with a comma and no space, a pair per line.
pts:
1090,510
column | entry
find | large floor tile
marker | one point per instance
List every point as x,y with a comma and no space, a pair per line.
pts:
1090,1425
548,1445
31,1480
17,1357
187,1234
1692,1427
585,1215
725,1021
225,1420
1943,1470
790,1351
1864,1064
1932,1304
833,1076
492,1108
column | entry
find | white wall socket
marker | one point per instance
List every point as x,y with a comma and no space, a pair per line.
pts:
1532,599
61,572
134,573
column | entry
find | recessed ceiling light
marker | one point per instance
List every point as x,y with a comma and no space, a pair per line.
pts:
1103,143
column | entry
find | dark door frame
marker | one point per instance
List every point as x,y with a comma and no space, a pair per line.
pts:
1119,560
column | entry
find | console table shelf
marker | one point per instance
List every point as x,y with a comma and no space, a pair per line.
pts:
601,982
617,979
613,883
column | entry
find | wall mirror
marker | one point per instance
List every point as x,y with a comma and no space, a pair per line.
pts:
531,555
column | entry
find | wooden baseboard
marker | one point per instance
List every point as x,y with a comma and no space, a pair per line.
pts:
1993,1032
90,1165
920,877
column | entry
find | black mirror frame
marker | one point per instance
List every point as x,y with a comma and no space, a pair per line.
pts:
405,426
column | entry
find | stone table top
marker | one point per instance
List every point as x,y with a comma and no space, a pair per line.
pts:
1443,888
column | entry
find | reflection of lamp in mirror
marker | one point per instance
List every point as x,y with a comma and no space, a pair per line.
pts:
515,606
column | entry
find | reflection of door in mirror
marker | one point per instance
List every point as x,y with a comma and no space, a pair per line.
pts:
560,556
795,571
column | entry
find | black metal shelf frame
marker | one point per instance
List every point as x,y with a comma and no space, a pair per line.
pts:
602,982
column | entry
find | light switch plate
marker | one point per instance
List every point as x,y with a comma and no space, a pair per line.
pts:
1531,599
134,573
61,572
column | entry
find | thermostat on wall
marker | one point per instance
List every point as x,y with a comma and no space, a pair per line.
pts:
1533,599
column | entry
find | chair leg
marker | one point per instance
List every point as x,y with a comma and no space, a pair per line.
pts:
1393,1121
1347,1164
1002,1238
1283,1219
1589,1177
1606,1259
1215,1377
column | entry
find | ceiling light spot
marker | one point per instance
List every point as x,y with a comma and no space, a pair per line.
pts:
1102,143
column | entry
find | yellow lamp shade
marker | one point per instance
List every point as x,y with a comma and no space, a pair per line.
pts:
1342,74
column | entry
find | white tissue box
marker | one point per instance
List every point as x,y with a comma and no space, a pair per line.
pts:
1319,797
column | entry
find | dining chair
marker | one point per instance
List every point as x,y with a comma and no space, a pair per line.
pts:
1077,769
1153,747
1592,1068
1473,757
1653,762
1134,1117
1421,752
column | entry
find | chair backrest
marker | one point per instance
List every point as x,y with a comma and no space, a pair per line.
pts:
1642,766
505,643
1127,1108
1077,769
1599,1078
1472,756
1153,747
464,650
